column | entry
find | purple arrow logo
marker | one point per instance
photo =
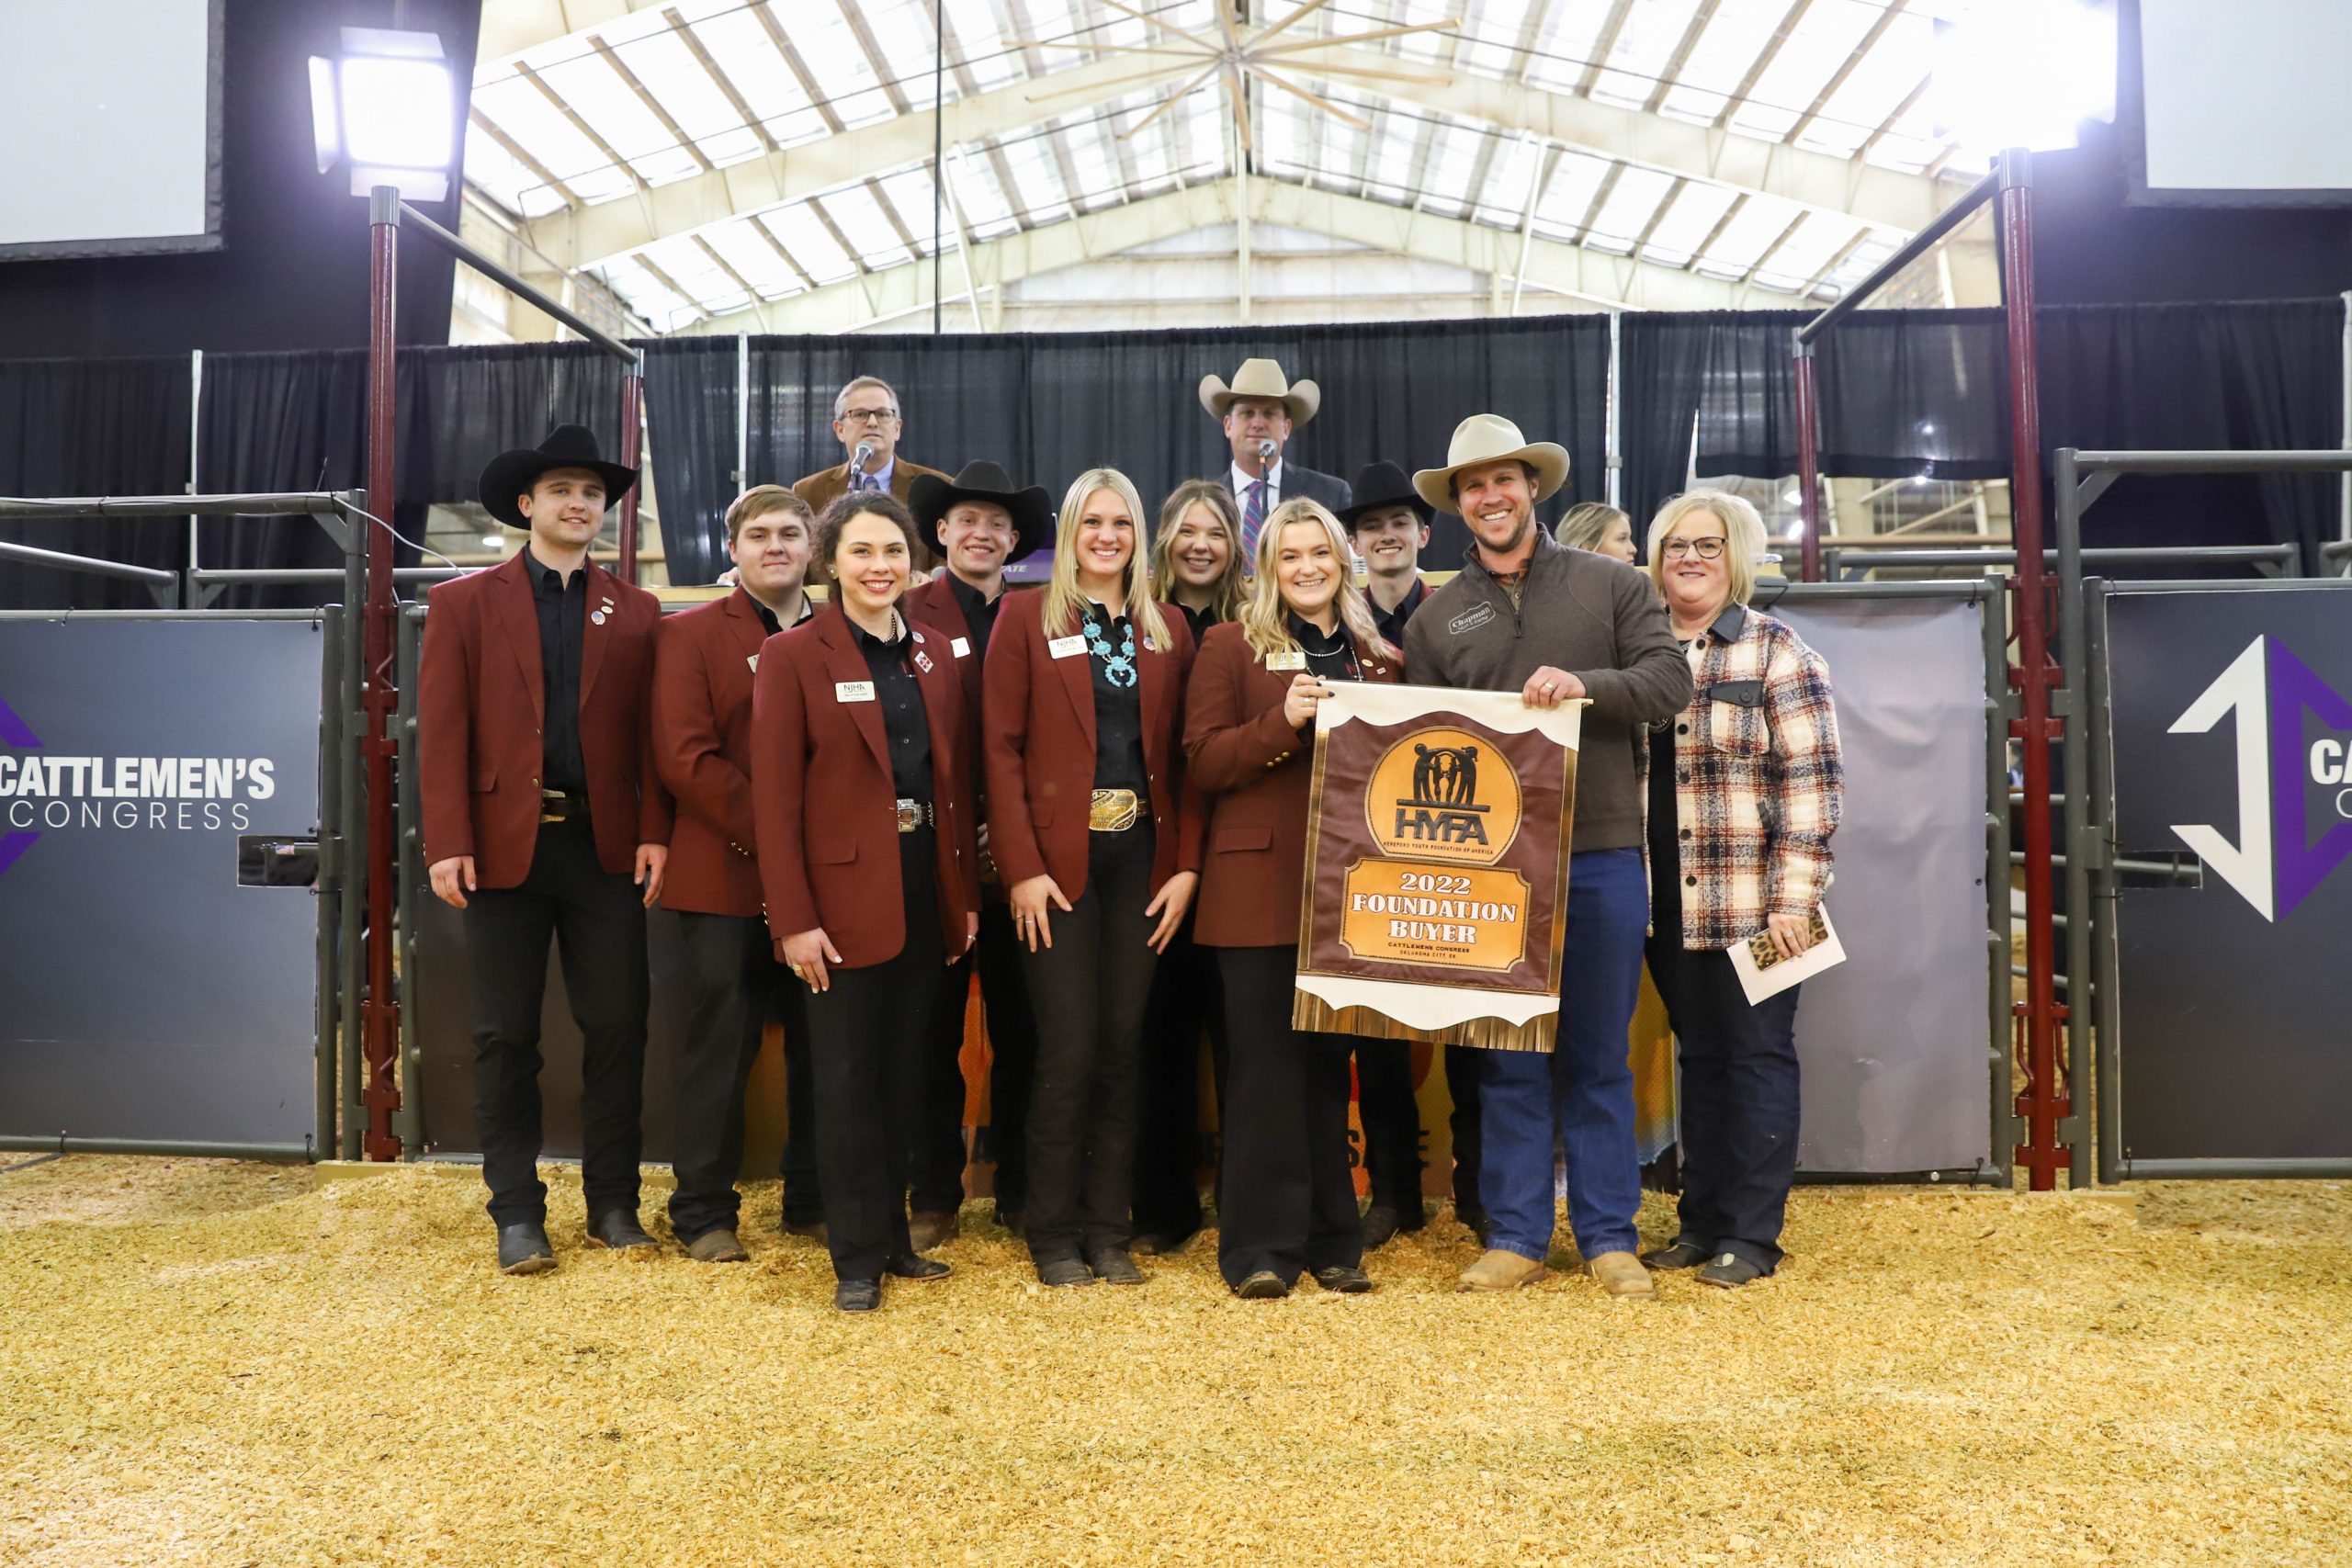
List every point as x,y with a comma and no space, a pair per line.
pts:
15,731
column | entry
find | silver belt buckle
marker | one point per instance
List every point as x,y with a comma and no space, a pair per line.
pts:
913,814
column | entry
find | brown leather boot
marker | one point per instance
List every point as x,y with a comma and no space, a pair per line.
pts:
927,1228
720,1245
1622,1274
1501,1271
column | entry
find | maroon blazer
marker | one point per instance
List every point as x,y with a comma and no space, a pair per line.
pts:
934,604
1255,769
822,794
702,660
482,703
1040,745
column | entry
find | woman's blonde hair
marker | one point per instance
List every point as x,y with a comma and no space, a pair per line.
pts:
1745,542
1587,523
1265,626
1065,606
1225,601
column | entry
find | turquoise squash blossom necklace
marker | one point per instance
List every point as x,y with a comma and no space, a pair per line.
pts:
1118,668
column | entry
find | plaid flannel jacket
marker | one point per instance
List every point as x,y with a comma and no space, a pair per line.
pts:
1759,783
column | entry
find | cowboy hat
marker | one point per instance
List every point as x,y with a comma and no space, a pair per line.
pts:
512,474
1261,379
1379,486
1032,510
1490,438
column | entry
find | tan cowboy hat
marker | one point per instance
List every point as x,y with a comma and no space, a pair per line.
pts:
1261,379
1490,438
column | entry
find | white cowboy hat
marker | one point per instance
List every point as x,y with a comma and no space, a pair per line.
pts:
1261,379
1490,438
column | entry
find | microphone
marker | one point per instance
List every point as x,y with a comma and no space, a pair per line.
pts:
865,456
1266,450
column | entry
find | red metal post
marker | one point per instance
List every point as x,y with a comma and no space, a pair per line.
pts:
379,1013
2044,1099
1809,460
632,403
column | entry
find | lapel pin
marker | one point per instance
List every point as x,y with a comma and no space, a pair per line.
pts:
597,619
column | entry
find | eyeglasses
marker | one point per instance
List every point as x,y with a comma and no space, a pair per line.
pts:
1705,549
868,416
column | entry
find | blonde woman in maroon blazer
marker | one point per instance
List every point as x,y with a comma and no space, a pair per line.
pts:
1288,1200
870,866
1097,836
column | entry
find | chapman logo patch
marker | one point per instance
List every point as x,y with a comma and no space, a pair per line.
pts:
2294,777
1471,619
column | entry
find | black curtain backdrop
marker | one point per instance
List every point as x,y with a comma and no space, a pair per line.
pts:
73,427
269,421
1049,406
1907,393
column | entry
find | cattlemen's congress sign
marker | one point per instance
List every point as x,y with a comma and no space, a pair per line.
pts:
1436,868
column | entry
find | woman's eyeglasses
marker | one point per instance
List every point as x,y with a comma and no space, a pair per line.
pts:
1705,549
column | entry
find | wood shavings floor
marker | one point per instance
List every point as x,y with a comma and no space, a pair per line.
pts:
224,1364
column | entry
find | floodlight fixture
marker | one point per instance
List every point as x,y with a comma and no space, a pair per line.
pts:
384,108
2023,72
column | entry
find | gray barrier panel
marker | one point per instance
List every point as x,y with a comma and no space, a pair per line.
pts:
1894,1042
147,996
2231,732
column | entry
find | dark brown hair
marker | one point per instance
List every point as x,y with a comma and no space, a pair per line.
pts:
761,500
856,502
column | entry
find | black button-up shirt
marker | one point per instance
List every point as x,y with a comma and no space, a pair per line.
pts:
979,613
1329,657
1118,704
1198,621
906,724
768,621
1392,622
564,625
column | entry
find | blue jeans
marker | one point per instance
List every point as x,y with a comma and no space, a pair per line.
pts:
1584,1088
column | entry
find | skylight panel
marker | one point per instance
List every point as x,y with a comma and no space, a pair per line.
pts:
860,219
669,71
662,308
1040,190
987,214
1808,251
1570,36
597,95
811,244
1721,59
491,169
836,62
1576,180
1452,157
740,46
1628,208
1692,217
910,191
1759,221
1503,199
1645,45
755,258
1879,79
1824,40
1489,46
1097,166
978,39
1423,47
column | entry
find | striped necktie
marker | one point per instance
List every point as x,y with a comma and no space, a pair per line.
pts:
1254,521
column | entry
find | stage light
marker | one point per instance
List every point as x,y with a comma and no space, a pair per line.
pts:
493,541
1920,478
385,107
2023,72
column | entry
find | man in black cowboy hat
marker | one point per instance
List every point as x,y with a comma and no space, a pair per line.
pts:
983,524
1389,526
543,816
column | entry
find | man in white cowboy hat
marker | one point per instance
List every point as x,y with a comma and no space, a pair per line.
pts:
1527,614
1259,410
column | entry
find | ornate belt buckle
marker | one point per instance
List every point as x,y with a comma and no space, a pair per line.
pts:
1113,810
911,816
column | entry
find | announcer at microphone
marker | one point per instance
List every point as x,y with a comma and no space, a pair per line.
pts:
1258,412
868,422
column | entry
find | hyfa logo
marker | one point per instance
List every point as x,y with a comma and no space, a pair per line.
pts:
1443,794
2276,863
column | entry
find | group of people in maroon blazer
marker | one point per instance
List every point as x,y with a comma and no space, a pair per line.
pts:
851,808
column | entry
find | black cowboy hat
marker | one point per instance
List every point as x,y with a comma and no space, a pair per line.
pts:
512,474
1032,510
1381,485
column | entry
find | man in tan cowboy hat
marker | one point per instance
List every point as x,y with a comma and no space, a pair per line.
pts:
1259,410
1525,614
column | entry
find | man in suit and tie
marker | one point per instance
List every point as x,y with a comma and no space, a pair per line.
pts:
543,818
868,419
1259,410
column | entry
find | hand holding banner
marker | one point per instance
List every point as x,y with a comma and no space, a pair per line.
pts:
1437,869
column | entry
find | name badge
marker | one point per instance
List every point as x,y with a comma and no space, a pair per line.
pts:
961,647
852,690
1066,646
1294,660
753,661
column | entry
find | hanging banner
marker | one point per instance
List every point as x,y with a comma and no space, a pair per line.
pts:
1437,866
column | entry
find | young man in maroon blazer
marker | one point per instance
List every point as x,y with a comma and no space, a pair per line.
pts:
982,524
543,817
704,661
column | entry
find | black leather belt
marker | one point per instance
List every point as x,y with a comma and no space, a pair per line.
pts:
557,806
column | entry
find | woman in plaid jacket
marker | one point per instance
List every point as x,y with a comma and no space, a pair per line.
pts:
1737,832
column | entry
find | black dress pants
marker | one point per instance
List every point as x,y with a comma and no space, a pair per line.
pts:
804,1190
734,981
1089,991
1289,1200
1462,1066
1185,998
597,922
1392,1125
940,1155
868,1033
1739,1100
